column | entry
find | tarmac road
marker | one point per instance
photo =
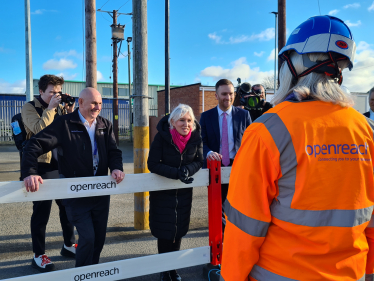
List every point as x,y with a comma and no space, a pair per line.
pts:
122,241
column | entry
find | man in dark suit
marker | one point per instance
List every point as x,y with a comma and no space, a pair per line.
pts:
222,128
370,113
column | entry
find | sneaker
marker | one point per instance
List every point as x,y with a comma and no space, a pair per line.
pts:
42,263
165,276
69,252
175,276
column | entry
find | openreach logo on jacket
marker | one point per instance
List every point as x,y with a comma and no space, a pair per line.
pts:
334,152
93,186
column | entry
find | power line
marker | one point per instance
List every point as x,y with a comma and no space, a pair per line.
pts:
104,4
123,55
105,18
123,5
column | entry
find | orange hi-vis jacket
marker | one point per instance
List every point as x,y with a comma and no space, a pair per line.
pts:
301,197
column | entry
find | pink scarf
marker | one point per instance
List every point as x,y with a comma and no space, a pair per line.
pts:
180,140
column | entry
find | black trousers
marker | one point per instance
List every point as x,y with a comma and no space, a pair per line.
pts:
90,217
40,217
167,246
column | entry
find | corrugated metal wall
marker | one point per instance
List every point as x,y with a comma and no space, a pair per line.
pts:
75,87
12,97
8,108
10,104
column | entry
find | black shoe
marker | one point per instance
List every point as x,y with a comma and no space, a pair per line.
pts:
165,276
175,276
42,263
68,252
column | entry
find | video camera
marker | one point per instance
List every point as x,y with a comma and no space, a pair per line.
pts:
67,99
256,92
249,99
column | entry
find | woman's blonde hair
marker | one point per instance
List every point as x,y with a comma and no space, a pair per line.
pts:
179,112
317,86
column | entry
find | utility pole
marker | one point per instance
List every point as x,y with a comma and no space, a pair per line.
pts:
129,39
115,81
275,50
117,36
281,26
29,81
91,64
167,60
141,120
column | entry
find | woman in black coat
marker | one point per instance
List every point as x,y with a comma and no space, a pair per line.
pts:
176,153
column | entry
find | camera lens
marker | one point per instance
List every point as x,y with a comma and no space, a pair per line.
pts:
67,99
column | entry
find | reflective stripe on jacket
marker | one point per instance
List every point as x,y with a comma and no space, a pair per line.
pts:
301,197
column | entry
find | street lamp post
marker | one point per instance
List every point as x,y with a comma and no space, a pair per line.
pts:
29,81
129,39
275,49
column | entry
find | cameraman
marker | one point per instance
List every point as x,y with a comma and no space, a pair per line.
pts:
257,91
49,103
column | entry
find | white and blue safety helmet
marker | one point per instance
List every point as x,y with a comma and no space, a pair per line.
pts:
321,34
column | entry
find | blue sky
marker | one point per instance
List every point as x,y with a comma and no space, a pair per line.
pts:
208,39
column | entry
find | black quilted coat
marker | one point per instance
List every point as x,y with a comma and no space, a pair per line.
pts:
170,210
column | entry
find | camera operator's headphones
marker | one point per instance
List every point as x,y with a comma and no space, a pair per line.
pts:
259,85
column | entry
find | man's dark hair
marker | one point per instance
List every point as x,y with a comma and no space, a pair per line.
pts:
371,91
49,79
258,86
223,82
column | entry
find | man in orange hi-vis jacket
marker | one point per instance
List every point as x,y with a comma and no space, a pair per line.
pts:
301,192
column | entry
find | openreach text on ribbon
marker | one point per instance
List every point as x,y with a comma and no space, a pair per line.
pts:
96,274
92,186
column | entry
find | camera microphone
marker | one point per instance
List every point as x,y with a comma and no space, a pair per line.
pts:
245,88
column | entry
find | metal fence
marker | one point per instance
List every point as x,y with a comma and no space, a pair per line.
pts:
123,118
9,108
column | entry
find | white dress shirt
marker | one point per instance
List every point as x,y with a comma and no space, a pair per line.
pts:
91,132
371,114
230,131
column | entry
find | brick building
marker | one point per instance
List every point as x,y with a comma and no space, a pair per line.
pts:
191,95
200,98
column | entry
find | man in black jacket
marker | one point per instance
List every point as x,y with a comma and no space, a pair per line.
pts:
86,148
36,116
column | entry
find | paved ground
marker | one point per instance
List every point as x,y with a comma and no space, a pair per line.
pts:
122,242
